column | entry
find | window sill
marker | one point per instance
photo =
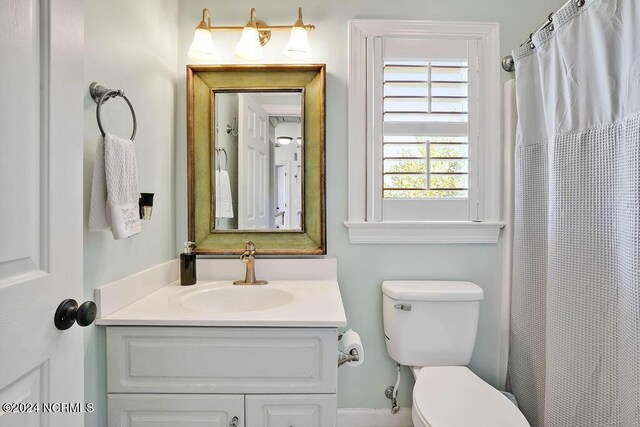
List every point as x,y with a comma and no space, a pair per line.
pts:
432,232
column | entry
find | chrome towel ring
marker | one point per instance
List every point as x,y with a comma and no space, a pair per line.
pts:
102,94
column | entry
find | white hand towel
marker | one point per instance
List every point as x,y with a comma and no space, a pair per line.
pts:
114,193
97,209
224,199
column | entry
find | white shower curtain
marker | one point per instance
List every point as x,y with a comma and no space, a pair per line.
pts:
575,332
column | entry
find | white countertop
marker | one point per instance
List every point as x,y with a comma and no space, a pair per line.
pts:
313,303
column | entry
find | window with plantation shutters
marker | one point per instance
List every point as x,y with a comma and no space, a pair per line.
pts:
424,112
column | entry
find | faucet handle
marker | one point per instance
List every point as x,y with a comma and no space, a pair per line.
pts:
250,247
248,258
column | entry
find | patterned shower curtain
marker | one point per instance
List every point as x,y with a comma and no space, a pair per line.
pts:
575,322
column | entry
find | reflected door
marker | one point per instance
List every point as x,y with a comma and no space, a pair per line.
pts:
282,196
253,165
41,207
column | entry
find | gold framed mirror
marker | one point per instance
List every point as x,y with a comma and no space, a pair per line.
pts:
256,159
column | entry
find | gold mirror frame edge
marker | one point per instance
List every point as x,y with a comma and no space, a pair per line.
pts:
313,240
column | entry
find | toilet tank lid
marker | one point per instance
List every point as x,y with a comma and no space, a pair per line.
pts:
432,290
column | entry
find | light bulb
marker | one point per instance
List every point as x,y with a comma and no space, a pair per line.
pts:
202,47
249,45
298,45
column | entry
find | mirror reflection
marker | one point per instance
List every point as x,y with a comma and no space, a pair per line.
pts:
257,159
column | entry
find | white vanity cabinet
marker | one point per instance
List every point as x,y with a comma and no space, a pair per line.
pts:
221,376
219,355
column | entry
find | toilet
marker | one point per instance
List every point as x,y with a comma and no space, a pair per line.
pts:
431,326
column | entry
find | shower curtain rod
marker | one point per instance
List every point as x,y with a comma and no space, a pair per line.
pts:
508,63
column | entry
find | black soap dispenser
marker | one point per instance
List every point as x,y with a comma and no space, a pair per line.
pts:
188,265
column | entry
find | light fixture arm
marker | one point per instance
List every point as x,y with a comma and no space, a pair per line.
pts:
206,17
299,22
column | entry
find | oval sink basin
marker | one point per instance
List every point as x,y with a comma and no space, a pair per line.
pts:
236,299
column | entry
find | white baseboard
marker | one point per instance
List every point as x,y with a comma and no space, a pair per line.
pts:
353,417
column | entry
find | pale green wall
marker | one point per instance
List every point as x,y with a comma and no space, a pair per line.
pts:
136,45
362,268
130,45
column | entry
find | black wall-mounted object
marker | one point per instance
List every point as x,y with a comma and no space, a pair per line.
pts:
69,313
146,205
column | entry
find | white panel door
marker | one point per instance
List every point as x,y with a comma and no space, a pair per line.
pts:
253,165
176,410
41,115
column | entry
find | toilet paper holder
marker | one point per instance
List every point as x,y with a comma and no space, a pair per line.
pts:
352,356
352,352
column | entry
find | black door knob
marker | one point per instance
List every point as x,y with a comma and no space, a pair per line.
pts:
69,313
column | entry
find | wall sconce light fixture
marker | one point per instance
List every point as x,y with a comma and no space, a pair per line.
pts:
255,34
284,140
202,47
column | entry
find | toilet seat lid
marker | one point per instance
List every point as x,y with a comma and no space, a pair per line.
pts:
453,396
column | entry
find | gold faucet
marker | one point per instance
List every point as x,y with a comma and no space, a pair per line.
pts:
248,257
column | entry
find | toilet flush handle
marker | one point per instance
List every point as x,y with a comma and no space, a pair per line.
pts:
403,307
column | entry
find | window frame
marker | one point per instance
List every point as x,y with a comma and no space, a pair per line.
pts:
365,222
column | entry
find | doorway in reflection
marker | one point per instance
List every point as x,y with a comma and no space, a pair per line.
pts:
258,161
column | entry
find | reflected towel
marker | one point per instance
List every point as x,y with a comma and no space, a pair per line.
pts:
224,200
114,191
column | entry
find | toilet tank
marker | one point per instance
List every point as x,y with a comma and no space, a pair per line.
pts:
430,323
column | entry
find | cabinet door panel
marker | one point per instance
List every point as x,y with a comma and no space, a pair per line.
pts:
291,410
174,410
